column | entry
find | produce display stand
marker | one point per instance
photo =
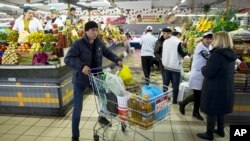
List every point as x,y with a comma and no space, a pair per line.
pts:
241,111
38,89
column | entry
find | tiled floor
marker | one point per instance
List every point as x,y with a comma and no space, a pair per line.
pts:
177,128
38,128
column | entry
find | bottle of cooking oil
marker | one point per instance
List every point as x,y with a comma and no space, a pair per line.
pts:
134,116
146,113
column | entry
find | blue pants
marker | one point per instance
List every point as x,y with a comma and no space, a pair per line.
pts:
77,109
174,77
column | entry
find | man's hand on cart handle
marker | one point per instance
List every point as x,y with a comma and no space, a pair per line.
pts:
120,64
86,70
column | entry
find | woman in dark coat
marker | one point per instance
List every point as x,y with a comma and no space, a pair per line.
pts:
218,87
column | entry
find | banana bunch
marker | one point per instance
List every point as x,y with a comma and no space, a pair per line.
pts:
74,35
36,37
13,36
204,24
190,44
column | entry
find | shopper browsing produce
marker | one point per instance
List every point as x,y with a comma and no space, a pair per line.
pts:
200,57
147,51
84,54
218,86
27,22
172,54
54,21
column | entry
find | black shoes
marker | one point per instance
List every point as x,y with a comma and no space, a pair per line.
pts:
205,136
104,121
181,108
174,101
220,133
198,116
74,139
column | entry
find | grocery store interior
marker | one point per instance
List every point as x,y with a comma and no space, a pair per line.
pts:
38,80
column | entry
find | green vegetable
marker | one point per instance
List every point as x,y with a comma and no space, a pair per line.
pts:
226,26
3,36
53,58
48,48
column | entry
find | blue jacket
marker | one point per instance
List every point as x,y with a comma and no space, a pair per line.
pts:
81,53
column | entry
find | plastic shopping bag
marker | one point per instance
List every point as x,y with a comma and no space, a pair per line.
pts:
151,91
126,75
115,84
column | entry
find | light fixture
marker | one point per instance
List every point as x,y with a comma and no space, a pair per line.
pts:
42,12
192,15
101,3
169,13
182,1
175,8
1,13
11,6
55,4
33,4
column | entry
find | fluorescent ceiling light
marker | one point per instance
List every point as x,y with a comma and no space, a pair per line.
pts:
56,4
34,4
42,12
182,1
95,3
10,19
191,15
169,13
1,13
11,6
175,7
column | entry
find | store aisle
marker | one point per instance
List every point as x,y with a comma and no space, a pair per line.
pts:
38,128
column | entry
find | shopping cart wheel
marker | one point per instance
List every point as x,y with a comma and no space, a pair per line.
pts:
96,137
123,125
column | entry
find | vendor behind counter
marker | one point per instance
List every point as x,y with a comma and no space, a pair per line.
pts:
27,22
54,20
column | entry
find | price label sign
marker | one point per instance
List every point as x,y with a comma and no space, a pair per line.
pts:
161,104
12,79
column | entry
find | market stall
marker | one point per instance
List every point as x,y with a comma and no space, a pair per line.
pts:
34,79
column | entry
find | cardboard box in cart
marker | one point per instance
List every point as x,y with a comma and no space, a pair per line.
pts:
160,106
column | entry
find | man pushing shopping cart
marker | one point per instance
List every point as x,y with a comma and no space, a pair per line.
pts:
84,54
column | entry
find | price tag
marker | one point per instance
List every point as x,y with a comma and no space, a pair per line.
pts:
12,79
161,104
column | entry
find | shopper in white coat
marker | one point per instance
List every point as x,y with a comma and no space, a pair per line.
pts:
53,20
172,53
27,22
147,51
200,57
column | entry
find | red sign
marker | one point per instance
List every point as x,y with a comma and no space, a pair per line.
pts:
116,20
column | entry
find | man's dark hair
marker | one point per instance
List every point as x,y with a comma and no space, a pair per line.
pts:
72,9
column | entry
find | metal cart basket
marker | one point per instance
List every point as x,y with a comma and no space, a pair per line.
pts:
128,108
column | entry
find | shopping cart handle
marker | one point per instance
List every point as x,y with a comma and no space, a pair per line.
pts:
104,67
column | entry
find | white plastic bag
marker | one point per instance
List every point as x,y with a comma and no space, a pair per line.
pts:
115,84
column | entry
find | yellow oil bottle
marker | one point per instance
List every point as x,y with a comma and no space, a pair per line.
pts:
134,116
146,113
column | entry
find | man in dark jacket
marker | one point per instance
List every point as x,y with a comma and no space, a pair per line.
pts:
83,55
166,33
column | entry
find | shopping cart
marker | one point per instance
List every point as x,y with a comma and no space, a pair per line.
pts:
126,108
